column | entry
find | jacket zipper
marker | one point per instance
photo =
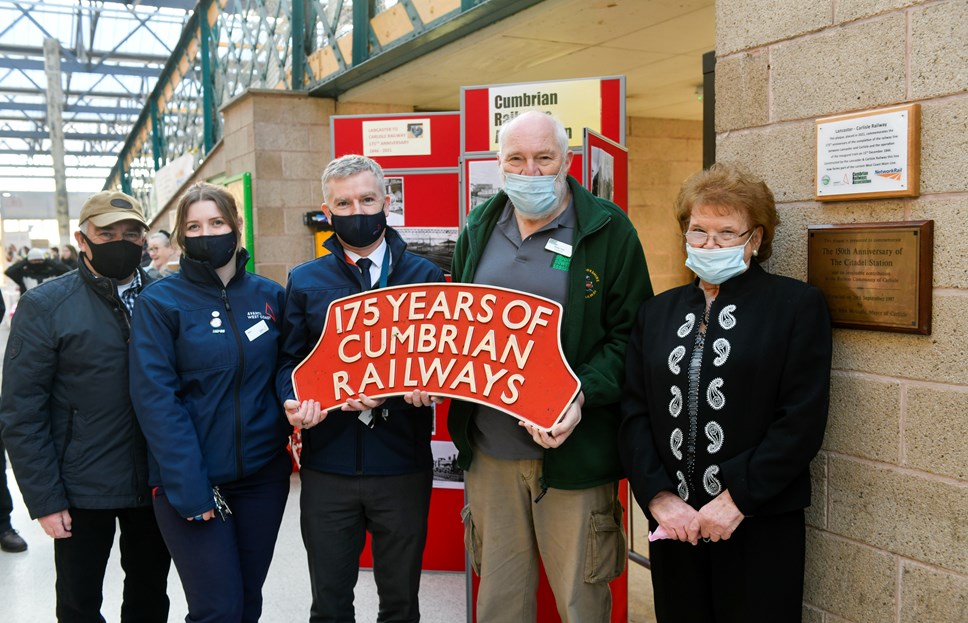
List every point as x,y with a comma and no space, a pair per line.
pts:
238,385
578,240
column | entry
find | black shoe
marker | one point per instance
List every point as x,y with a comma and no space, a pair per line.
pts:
10,541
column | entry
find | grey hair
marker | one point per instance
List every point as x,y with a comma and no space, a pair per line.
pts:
348,166
561,135
164,237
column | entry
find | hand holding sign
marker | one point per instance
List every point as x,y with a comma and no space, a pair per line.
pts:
561,430
479,343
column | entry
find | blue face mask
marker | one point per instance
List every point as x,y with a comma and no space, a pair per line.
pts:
717,265
532,195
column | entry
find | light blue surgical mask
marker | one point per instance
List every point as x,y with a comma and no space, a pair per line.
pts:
532,195
717,265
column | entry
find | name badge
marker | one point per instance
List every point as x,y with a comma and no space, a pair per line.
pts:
559,247
256,330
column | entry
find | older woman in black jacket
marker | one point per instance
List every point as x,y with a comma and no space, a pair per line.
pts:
727,384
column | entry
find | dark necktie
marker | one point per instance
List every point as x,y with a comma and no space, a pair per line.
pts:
364,264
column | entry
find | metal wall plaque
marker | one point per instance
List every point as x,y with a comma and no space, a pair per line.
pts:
874,275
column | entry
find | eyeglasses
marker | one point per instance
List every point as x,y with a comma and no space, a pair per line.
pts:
723,239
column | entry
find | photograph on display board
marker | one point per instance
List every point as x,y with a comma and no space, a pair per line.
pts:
603,174
434,243
484,181
394,186
447,475
605,169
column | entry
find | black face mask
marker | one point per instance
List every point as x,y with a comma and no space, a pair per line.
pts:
216,250
359,230
117,259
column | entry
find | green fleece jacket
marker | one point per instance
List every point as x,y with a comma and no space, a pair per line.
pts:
607,282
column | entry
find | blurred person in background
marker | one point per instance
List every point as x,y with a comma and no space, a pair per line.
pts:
68,256
161,252
34,270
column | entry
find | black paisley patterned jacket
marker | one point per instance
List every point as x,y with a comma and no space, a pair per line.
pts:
742,408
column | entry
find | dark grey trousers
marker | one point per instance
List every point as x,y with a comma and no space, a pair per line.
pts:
336,513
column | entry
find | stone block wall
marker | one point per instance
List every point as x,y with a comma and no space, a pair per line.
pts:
887,537
282,139
662,153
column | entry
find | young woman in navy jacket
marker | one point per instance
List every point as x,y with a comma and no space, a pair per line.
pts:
203,356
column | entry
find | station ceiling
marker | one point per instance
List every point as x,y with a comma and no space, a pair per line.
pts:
657,44
113,51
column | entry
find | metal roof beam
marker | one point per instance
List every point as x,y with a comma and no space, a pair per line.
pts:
68,136
70,166
76,152
25,64
25,50
16,176
73,108
71,93
186,5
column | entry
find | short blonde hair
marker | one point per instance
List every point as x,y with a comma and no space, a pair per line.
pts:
731,188
203,191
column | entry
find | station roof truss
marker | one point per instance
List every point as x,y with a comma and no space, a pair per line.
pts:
111,55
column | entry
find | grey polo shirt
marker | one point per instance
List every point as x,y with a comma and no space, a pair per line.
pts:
524,265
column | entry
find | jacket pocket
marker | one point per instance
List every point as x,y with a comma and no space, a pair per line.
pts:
605,546
472,539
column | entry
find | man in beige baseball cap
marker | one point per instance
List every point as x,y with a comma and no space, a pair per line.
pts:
111,235
68,424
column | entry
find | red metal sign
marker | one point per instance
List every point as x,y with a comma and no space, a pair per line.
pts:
489,345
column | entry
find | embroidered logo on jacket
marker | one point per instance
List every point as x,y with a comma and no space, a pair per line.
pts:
591,283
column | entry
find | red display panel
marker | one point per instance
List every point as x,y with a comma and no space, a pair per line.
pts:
445,532
425,210
348,138
606,169
427,199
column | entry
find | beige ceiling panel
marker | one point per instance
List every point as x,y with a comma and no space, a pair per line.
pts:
550,42
686,33
590,61
596,21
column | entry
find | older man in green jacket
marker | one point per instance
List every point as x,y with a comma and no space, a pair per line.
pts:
550,494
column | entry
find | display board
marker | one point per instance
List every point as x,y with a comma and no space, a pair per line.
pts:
420,155
597,104
606,169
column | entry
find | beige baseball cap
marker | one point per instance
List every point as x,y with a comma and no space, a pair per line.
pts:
110,206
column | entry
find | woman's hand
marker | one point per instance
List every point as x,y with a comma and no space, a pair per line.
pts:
718,519
209,514
305,414
678,518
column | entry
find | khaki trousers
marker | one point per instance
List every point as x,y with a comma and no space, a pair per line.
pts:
577,534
